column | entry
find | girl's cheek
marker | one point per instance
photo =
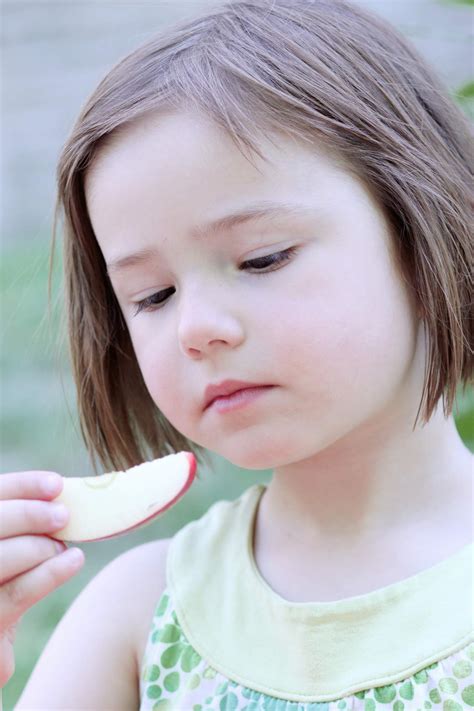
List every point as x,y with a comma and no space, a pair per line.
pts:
151,357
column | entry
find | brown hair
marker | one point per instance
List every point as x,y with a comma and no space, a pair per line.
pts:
324,71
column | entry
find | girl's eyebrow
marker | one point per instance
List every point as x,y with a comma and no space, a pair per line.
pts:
266,209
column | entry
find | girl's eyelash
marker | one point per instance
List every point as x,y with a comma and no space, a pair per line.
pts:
261,262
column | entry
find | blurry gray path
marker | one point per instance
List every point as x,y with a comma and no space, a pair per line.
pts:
54,53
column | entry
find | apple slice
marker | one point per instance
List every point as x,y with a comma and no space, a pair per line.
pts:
115,503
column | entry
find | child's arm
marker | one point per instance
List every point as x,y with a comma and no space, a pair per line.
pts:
88,663
90,660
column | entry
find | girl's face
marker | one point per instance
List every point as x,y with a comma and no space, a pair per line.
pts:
331,325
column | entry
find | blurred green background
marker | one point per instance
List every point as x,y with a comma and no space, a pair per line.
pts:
39,425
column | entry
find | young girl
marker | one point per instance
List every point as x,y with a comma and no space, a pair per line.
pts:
276,193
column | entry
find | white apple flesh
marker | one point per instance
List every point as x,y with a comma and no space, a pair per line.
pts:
112,504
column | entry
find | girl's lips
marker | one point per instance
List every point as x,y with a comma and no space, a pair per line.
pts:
239,399
227,387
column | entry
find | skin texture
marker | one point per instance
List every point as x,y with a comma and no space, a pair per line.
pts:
334,328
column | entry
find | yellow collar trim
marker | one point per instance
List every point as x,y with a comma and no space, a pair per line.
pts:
311,651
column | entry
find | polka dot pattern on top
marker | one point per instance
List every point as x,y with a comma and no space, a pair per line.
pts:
174,677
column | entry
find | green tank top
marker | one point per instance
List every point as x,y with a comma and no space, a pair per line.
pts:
222,639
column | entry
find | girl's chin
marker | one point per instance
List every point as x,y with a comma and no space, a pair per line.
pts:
257,461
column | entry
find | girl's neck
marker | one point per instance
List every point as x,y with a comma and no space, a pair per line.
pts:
382,493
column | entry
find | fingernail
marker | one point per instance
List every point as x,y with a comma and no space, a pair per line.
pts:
74,556
51,484
60,514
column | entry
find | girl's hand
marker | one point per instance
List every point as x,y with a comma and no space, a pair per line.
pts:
31,564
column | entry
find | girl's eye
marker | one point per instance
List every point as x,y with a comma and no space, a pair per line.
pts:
271,260
155,301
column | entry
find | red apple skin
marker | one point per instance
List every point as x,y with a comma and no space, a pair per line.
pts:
189,481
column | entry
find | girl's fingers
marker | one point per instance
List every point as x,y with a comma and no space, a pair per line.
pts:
7,655
30,565
22,592
30,485
21,516
19,554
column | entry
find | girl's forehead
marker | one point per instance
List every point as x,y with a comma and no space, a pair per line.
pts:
188,141
182,167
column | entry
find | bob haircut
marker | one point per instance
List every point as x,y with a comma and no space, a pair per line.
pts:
326,72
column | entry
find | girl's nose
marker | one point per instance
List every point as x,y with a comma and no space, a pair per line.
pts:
206,323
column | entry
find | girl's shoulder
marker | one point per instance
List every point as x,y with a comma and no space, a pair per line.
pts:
145,567
101,637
